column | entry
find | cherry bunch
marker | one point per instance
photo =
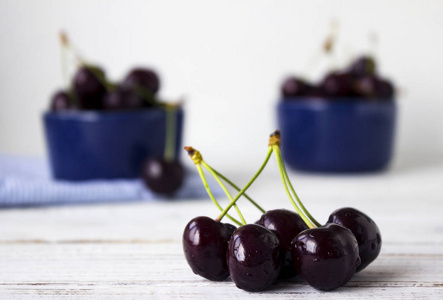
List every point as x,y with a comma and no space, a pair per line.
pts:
357,81
282,243
90,90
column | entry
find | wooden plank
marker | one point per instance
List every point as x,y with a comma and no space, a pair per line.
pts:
160,270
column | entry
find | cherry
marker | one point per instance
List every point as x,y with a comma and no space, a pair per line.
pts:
337,84
294,87
88,83
371,86
61,101
366,86
385,89
142,78
205,243
364,65
163,176
122,99
254,257
326,257
286,225
365,231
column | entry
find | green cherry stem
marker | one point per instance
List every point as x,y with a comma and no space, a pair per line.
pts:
224,212
238,190
283,173
169,153
208,190
205,165
299,211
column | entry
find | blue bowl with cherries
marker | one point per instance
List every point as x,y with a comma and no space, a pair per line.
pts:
344,124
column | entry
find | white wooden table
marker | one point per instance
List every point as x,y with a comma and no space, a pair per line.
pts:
133,250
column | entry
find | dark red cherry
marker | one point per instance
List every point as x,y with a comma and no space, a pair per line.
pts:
163,177
88,87
327,256
61,101
142,78
122,99
286,225
362,66
365,231
373,87
294,87
385,89
337,84
366,86
254,257
205,243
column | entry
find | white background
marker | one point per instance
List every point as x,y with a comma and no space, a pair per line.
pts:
226,57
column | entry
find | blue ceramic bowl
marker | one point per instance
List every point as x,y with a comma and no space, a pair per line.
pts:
86,145
339,135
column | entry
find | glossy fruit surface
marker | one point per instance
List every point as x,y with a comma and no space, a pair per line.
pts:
60,101
205,243
122,99
337,84
163,177
89,88
293,87
365,231
326,257
142,78
286,225
254,257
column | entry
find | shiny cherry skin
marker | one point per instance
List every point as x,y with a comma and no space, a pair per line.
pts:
89,88
373,87
254,257
365,231
326,257
163,177
286,225
362,66
143,78
337,84
122,99
294,87
61,101
385,89
205,243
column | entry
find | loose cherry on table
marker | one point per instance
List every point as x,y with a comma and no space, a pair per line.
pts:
365,231
326,257
205,243
163,176
254,257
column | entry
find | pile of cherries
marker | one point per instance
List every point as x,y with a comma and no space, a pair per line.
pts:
358,81
89,89
281,244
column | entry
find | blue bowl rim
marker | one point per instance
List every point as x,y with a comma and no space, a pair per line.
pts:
96,115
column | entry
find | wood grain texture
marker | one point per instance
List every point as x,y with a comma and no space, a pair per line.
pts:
133,250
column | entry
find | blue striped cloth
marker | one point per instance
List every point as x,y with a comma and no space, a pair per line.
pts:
26,181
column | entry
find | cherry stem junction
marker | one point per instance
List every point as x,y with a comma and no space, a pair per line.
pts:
224,212
238,189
